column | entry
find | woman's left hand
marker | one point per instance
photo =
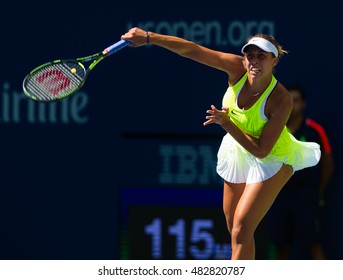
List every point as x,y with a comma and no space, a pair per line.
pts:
217,116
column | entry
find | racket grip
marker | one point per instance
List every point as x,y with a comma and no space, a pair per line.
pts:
116,47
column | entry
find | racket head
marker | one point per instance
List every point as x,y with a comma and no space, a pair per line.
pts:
54,80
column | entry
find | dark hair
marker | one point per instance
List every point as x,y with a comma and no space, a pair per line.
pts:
299,89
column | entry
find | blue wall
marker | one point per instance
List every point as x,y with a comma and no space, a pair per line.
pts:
62,165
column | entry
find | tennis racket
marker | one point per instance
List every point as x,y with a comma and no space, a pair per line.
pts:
61,78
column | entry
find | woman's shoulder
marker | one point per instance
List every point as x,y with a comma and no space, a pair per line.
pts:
280,93
280,99
237,76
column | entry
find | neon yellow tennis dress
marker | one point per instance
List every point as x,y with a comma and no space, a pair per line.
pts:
237,165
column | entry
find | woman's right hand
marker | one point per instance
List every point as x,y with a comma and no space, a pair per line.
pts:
136,36
217,116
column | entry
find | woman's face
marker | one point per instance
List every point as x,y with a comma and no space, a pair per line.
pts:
258,62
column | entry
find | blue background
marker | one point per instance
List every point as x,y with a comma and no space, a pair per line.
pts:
62,166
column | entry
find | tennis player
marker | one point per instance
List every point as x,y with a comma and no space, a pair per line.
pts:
257,155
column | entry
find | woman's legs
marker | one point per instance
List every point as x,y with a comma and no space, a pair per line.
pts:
245,206
231,197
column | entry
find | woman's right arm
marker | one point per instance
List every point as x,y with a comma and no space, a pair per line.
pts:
230,63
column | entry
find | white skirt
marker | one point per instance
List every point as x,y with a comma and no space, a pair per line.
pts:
236,165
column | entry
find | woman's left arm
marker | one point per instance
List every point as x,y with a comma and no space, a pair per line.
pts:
278,109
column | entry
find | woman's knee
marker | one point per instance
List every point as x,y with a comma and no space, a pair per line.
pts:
241,231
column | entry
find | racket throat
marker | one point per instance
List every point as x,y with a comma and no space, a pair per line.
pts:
95,63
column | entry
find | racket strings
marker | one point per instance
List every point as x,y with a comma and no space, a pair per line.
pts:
55,81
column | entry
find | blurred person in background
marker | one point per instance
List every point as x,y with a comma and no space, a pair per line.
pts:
296,213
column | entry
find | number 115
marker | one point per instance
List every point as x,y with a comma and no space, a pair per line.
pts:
200,232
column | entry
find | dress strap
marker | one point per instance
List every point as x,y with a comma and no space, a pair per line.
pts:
266,95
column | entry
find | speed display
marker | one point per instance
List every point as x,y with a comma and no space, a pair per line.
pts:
174,224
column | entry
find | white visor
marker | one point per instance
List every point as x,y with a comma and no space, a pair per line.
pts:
262,44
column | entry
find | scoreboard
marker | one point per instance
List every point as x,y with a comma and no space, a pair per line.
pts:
173,224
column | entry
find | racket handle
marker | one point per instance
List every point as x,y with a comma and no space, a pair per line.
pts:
116,47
